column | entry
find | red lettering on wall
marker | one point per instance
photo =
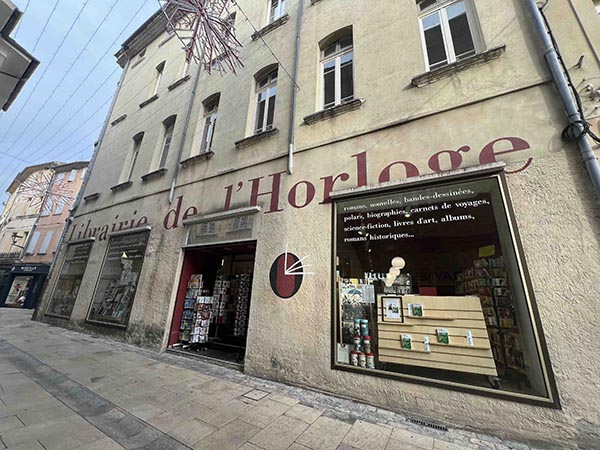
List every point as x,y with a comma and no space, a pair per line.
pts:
174,214
456,159
410,168
310,194
274,192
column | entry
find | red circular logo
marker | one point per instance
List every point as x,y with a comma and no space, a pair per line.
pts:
284,281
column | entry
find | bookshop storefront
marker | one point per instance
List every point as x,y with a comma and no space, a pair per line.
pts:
430,286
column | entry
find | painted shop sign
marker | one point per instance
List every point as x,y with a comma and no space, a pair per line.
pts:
305,192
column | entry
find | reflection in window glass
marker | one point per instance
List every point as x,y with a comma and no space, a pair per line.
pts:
428,285
118,279
64,295
434,40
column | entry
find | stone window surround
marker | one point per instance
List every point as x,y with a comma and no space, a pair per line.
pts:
450,69
121,186
154,174
333,111
270,27
150,100
118,120
178,82
92,197
203,156
255,138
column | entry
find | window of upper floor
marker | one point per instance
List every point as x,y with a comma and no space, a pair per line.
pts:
72,175
337,68
276,9
59,178
60,206
168,129
158,77
35,237
135,151
449,31
266,93
211,107
46,243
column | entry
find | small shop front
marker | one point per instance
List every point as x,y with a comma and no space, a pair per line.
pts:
24,285
212,307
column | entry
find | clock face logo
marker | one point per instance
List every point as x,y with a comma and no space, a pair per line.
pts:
286,275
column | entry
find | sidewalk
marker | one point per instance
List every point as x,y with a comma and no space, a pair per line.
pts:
64,390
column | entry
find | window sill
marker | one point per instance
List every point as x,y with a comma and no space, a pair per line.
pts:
138,62
118,120
204,156
333,111
312,2
121,186
150,100
178,82
154,174
447,71
91,197
267,29
247,142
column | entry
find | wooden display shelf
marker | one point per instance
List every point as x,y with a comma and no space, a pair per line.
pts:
458,315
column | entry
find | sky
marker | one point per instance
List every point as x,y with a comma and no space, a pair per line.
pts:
60,112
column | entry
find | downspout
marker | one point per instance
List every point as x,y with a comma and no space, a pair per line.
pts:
585,148
295,89
186,126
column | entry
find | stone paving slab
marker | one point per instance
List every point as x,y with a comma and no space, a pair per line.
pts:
64,390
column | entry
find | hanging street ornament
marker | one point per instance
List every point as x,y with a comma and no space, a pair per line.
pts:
207,32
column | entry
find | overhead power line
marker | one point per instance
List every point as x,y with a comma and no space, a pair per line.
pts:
90,72
45,26
41,108
41,77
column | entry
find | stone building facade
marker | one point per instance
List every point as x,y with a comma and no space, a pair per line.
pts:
401,223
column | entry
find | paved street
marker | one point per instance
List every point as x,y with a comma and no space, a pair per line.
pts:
65,390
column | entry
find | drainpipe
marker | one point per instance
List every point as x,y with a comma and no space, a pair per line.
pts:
295,89
560,81
185,131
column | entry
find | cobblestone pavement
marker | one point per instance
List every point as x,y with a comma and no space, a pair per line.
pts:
65,390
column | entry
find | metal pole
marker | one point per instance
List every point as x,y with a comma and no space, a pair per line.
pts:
585,148
295,89
185,130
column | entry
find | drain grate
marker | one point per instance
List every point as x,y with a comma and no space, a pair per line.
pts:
427,424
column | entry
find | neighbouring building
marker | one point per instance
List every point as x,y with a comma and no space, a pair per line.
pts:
16,64
402,222
31,226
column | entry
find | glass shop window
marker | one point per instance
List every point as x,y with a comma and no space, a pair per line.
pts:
429,285
119,278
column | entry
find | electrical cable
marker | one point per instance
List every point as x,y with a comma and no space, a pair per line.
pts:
98,62
21,21
45,26
41,108
41,77
15,157
576,128
265,43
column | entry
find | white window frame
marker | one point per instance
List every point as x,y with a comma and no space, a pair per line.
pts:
59,178
72,175
271,83
210,121
137,145
46,243
159,74
337,58
440,7
33,243
166,144
275,12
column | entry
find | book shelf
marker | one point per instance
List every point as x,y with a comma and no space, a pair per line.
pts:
488,280
456,316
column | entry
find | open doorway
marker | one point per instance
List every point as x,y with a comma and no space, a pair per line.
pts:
213,302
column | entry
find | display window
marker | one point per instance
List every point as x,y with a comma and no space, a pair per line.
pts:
69,281
18,291
119,278
430,286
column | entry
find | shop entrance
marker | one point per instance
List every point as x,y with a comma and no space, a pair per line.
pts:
18,291
213,302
